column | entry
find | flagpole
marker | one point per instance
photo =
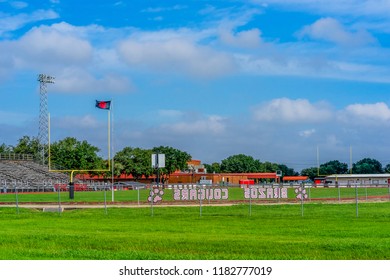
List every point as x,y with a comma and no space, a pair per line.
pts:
112,146
108,106
109,138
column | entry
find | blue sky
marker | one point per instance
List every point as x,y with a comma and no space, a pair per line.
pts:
272,79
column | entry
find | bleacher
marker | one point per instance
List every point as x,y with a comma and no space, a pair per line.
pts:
22,172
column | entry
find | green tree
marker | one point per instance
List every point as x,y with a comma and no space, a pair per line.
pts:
27,145
5,149
286,171
333,167
134,161
269,167
311,172
72,154
240,164
174,160
328,168
387,168
215,167
118,167
367,166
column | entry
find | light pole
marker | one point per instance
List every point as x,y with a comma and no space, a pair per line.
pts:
43,114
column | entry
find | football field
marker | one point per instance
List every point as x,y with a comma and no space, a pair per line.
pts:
270,232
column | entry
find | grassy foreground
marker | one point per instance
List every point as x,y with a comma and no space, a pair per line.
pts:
276,232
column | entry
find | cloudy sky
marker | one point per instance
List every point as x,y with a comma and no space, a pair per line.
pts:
275,79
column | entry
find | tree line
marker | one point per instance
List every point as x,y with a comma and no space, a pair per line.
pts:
363,166
70,153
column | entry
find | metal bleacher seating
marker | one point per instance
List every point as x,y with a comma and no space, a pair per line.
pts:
27,175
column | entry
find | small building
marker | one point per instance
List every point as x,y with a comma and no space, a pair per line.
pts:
221,178
196,166
360,179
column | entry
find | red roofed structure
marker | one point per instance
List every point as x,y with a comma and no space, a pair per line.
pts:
295,178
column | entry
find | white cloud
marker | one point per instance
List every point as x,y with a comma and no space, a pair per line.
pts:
307,133
65,51
244,39
289,110
106,58
159,18
314,64
58,46
347,7
276,64
14,118
329,29
177,56
72,122
19,4
170,113
199,53
302,111
206,125
74,80
119,3
332,140
52,46
369,112
164,9
13,22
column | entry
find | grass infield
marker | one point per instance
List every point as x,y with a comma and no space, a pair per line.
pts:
274,232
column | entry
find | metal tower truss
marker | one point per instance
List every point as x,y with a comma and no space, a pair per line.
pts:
43,133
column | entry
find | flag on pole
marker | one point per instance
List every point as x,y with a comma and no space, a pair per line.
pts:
103,104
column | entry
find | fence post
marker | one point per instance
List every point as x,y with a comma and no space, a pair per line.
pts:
250,199
138,196
302,195
151,200
105,197
366,190
338,187
389,190
357,200
200,200
17,199
59,200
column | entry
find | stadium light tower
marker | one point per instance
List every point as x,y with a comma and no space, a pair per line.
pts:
43,133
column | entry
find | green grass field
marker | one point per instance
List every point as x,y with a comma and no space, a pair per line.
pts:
275,232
